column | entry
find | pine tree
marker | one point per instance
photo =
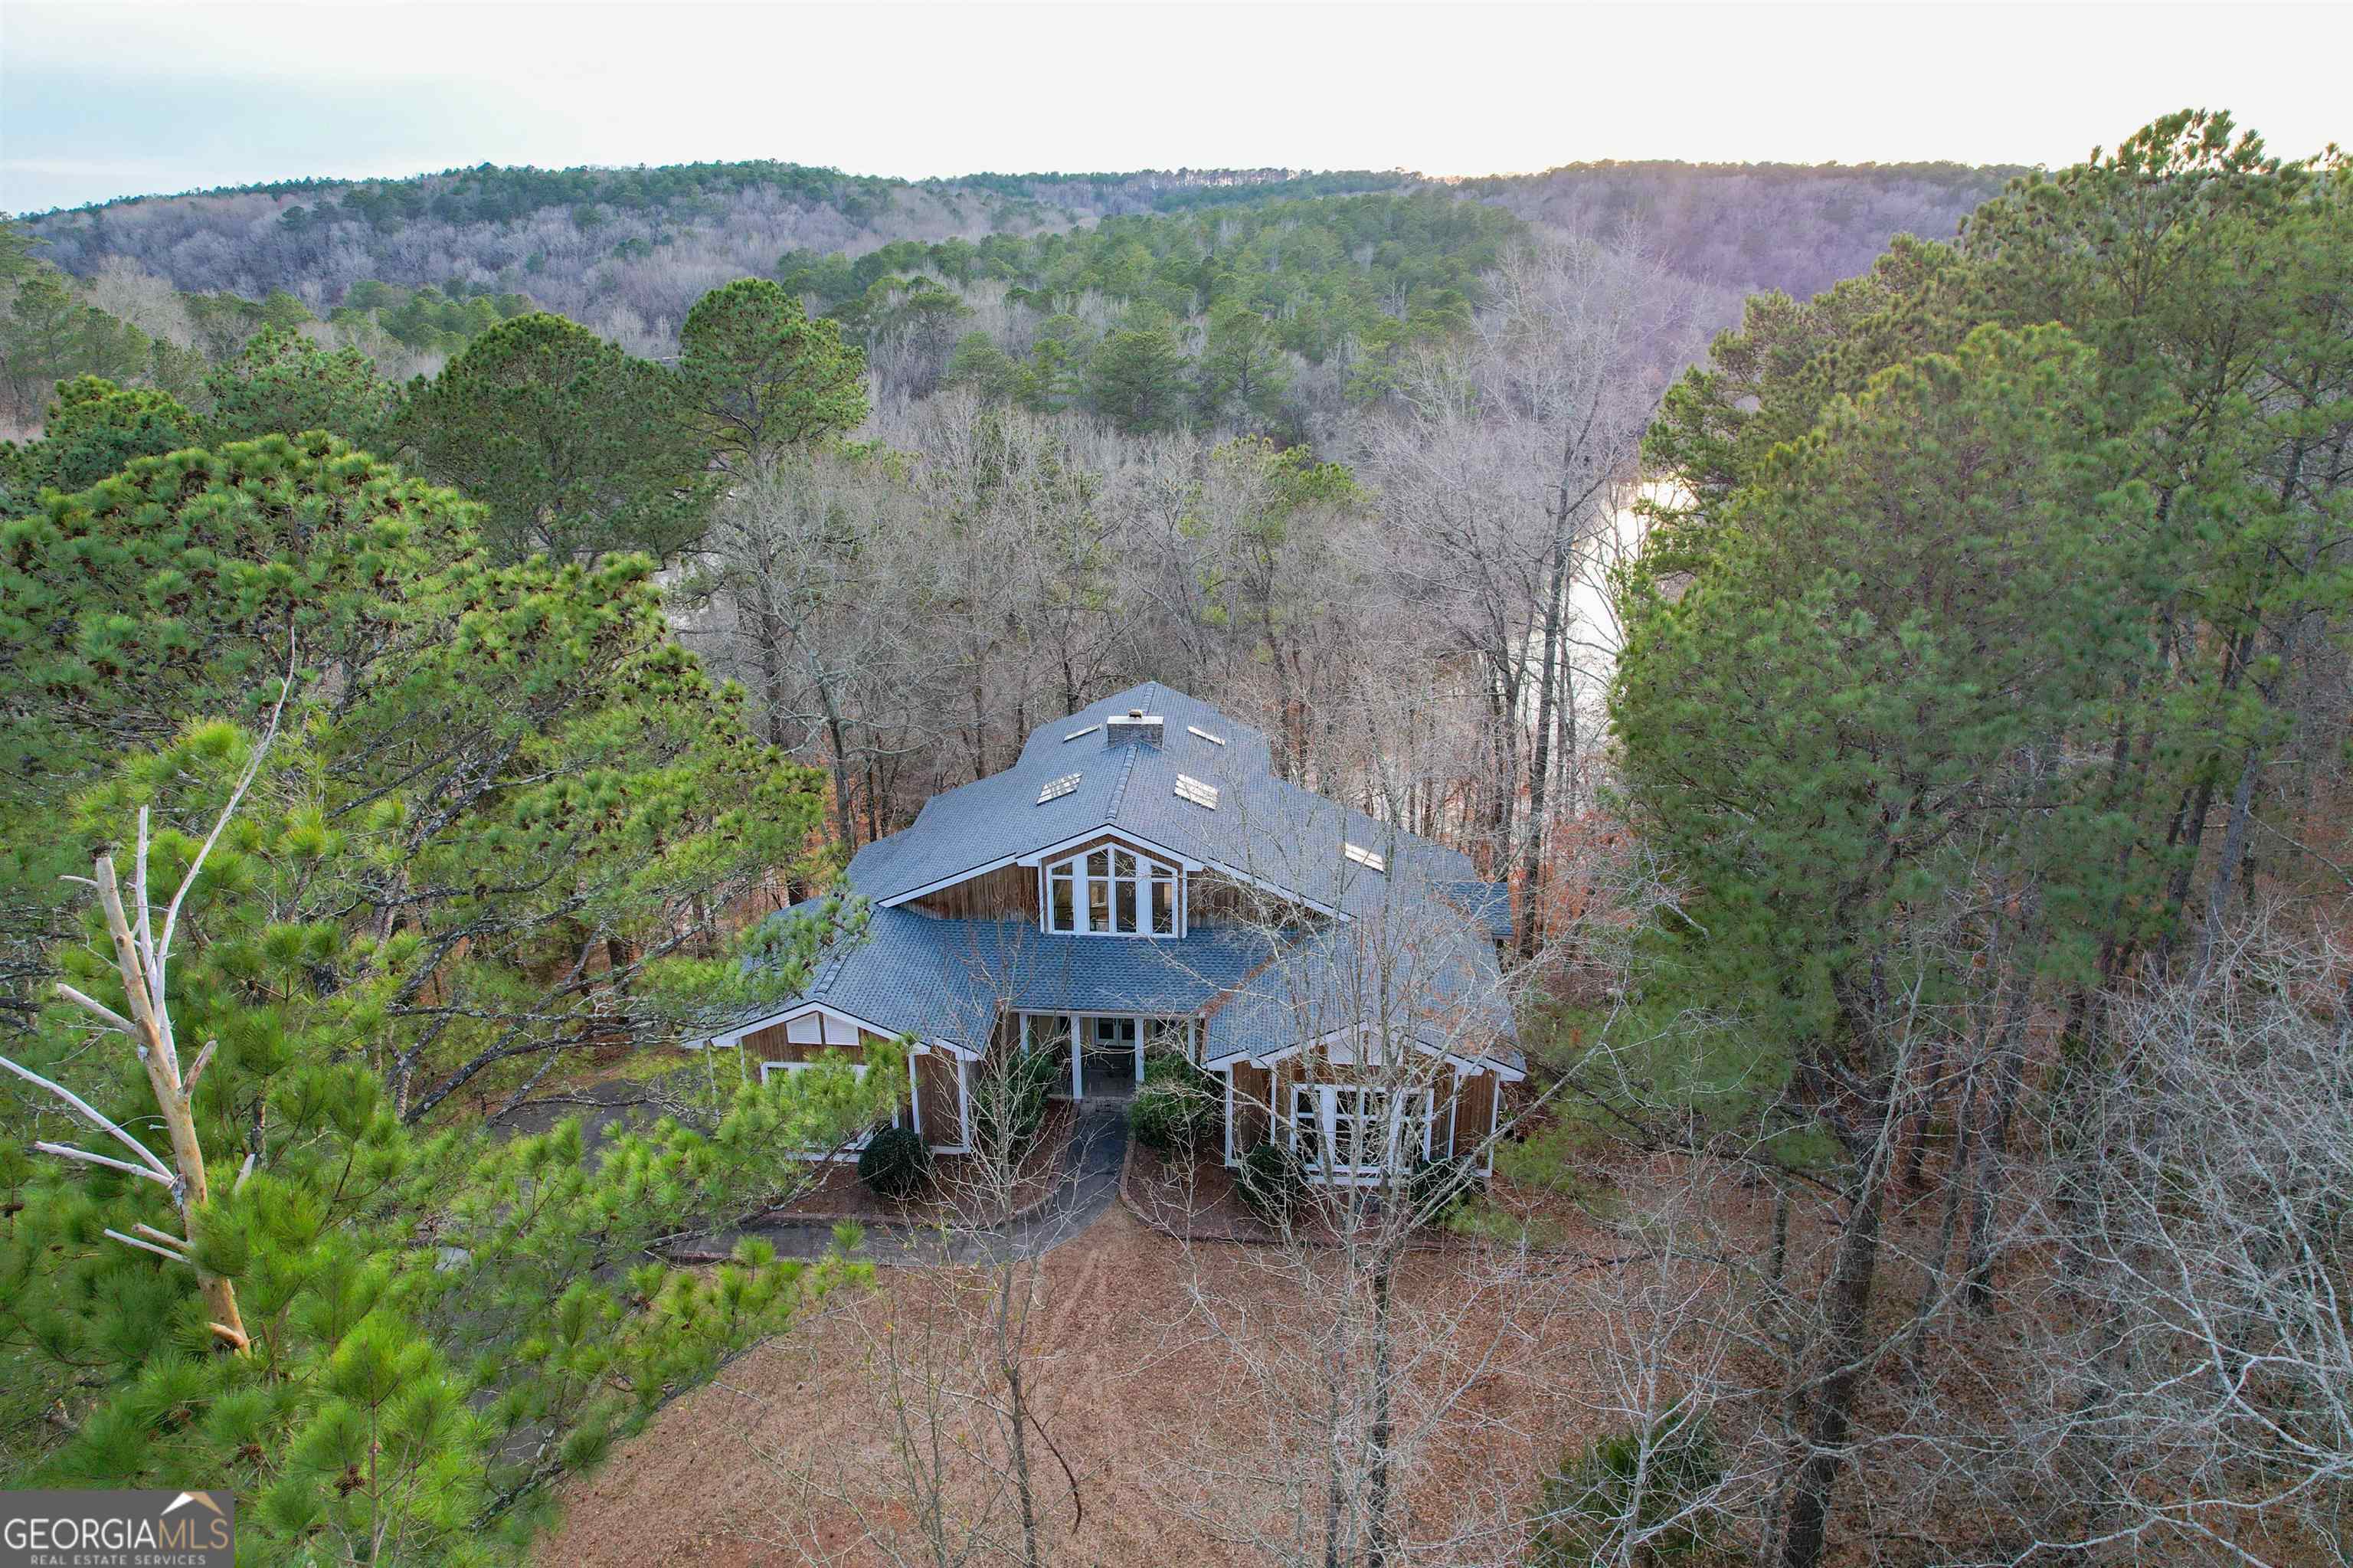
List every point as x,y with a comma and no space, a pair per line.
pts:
95,428
388,1349
1858,714
281,383
575,447
1136,380
763,378
485,775
522,771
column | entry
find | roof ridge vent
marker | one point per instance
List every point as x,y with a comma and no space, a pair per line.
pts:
1134,725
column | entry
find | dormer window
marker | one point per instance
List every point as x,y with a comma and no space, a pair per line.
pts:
1113,891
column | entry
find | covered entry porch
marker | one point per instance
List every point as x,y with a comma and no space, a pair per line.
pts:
1111,1047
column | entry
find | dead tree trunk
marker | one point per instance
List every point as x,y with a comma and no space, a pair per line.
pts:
140,957
1830,1412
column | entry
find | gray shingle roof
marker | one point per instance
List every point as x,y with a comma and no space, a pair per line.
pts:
1431,978
1263,827
935,979
946,979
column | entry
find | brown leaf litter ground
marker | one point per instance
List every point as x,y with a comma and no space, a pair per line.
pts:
787,1459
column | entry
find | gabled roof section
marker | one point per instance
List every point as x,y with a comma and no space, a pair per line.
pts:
945,981
1263,828
1426,975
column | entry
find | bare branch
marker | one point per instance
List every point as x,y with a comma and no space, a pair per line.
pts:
100,1011
148,1246
64,1153
155,1168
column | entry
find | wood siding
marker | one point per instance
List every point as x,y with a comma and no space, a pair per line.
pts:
1214,900
1473,1109
776,1043
935,1088
1251,1102
1008,893
935,1083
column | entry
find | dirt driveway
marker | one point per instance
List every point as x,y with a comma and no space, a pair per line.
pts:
787,1458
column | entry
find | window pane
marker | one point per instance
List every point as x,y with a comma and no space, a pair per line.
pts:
1123,863
1163,907
1066,910
1098,864
1306,1132
1098,903
1126,907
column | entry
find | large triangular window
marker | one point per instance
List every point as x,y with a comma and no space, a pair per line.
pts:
1113,891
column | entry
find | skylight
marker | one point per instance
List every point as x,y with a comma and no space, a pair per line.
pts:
1205,734
1076,733
1365,857
1057,788
1191,789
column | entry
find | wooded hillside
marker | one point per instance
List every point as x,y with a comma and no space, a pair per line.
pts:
1912,727
628,250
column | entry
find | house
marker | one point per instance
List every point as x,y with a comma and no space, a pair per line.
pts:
1141,878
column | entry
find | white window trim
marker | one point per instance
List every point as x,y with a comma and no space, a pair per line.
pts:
1147,867
857,1069
1327,1124
1105,833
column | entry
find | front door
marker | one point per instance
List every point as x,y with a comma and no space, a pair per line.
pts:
1111,1054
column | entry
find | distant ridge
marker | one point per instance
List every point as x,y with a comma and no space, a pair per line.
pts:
628,249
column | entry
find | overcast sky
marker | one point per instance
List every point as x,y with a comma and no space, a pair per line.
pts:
99,100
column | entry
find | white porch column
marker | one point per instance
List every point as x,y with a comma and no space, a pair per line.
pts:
1078,1055
1139,1050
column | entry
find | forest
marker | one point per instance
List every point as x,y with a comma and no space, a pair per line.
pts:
1889,626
